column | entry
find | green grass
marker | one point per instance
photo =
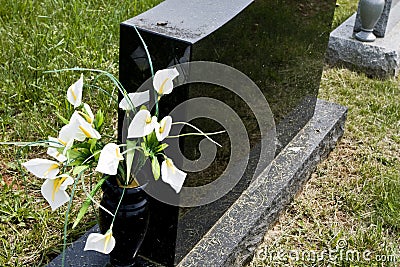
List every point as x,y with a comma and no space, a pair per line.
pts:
344,9
354,195
37,36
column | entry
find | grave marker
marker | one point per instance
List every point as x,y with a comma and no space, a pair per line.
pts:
380,58
380,27
280,45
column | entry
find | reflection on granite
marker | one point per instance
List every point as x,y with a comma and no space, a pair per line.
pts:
280,45
75,256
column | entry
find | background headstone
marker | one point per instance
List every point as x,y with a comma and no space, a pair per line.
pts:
380,27
380,59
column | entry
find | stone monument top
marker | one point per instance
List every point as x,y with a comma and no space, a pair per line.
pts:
190,21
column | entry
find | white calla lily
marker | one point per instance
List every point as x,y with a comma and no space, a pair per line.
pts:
53,150
137,100
81,129
109,159
88,114
73,127
53,190
162,129
42,168
162,81
74,93
172,175
101,243
142,124
66,135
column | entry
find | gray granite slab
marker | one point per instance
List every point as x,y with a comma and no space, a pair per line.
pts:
380,58
235,236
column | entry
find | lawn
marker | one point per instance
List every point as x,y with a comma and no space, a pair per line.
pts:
37,36
354,196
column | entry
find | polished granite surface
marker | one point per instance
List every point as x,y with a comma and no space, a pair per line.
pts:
279,44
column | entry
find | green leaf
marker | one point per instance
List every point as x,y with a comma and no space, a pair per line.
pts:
145,149
82,145
151,140
129,157
161,147
92,143
96,154
79,169
98,119
87,202
73,154
60,150
64,120
77,155
76,162
155,168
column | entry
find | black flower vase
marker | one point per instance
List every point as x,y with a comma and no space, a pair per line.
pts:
130,224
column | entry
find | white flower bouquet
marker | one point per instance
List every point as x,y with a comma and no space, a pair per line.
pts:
79,149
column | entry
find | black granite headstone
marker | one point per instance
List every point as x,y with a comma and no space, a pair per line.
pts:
279,44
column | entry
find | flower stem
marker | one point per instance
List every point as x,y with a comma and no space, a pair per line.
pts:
66,219
90,197
156,99
200,131
119,203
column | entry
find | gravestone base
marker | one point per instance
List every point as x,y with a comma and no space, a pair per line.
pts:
234,238
379,59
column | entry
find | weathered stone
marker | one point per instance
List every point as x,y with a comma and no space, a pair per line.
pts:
377,59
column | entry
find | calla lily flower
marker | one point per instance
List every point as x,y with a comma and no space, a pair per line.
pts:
42,168
142,124
66,136
81,129
162,81
109,159
88,114
162,129
101,243
74,93
55,144
53,190
172,175
137,100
